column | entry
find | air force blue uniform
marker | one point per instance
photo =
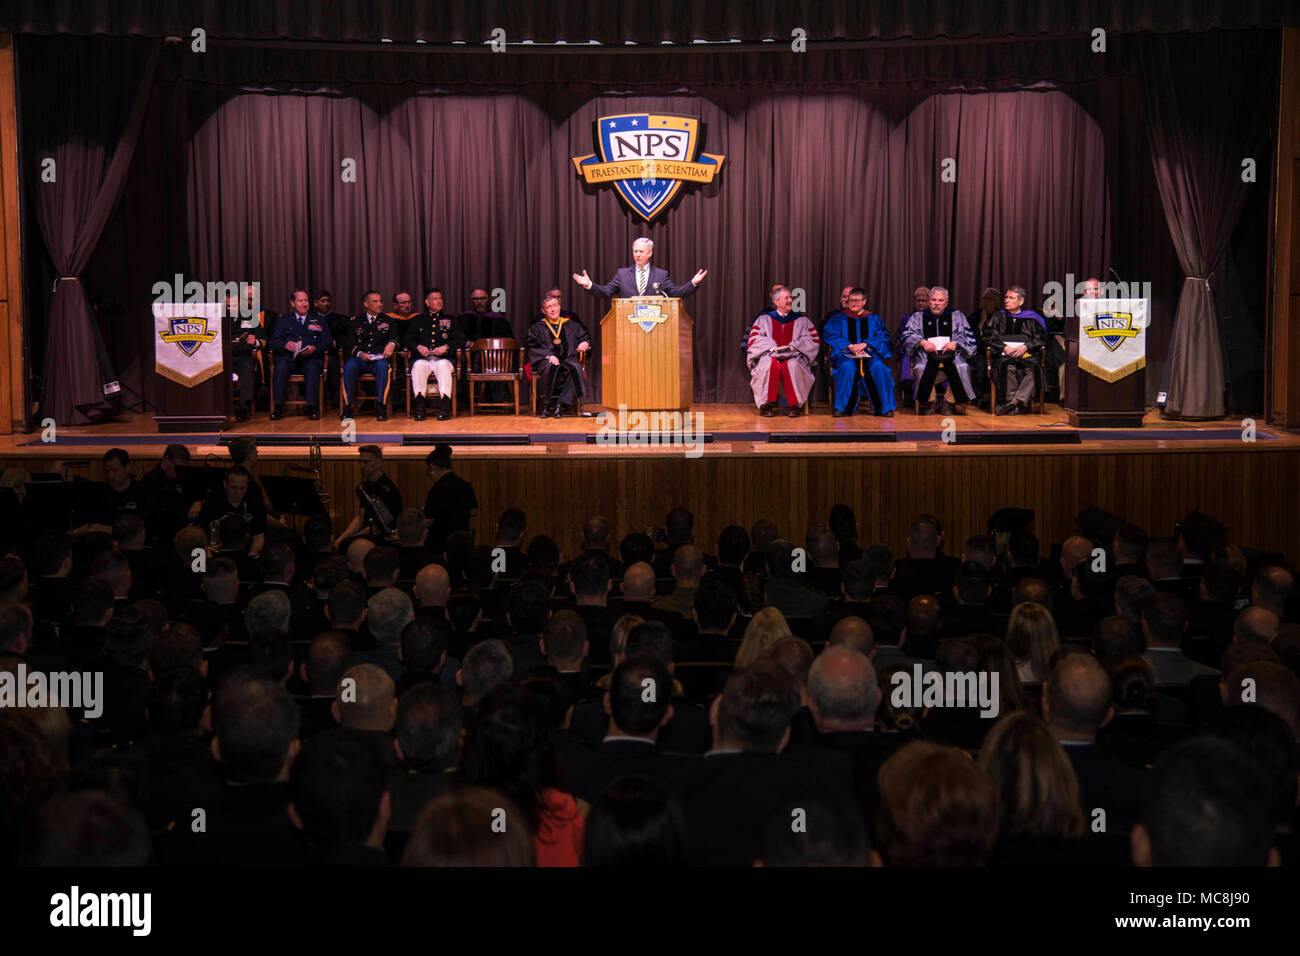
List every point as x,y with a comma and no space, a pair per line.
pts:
310,330
852,374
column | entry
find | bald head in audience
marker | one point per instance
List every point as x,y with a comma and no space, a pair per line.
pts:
1269,685
1255,624
1032,589
1272,589
595,534
639,582
357,552
1074,552
688,566
842,691
432,586
923,614
1077,698
366,699
854,633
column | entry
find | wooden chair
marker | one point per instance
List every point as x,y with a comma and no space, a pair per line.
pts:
494,360
577,399
431,387
358,398
300,378
1040,379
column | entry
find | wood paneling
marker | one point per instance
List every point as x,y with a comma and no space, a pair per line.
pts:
1249,491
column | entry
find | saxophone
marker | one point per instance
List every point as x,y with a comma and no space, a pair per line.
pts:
317,473
214,534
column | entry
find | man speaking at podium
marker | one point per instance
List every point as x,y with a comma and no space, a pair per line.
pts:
641,278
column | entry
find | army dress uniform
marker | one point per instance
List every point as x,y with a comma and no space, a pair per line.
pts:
369,336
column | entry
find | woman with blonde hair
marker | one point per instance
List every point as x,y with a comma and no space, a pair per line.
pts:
1040,819
766,627
617,642
1033,639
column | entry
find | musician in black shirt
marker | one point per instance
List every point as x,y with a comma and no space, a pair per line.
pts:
379,502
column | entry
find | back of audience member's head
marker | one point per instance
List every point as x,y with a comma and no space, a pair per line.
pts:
1131,593
980,549
1268,684
879,562
755,708
995,657
268,612
177,699
93,603
887,618
650,637
1031,590
1272,588
1220,581
1286,642
972,583
831,833
843,692
366,699
688,565
635,548
529,606
565,638
485,666
411,529
1033,780
510,748
328,573
15,628
631,709
511,526
1022,549
1132,681
178,645
113,568
1032,636
1164,558
255,728
347,604
858,579
733,545
1202,808
460,828
381,566
129,531
1116,637
318,532
1255,625
1131,544
780,558
52,551
763,533
635,822
423,643
88,828
387,613
714,605
428,728
679,525
822,546
842,523
1077,697
590,577
129,635
852,632
339,792
277,562
793,655
619,632
327,659
1164,617
937,808
543,553
765,628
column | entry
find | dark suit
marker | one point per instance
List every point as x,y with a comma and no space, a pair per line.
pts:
688,732
1108,783
624,285
867,750
586,772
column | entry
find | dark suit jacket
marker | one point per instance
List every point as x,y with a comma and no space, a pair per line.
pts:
1108,783
586,772
727,798
623,284
866,750
688,732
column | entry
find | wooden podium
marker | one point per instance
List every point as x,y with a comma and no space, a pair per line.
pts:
646,348
1094,400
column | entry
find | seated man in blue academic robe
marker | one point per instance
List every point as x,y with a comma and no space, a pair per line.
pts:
859,345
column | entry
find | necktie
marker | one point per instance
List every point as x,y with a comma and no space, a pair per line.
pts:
640,281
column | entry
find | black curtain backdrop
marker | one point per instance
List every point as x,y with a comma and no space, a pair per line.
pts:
833,176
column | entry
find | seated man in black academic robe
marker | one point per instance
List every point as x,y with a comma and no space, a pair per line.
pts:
1016,337
554,344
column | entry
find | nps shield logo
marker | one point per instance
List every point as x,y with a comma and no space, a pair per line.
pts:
647,316
648,156
1112,328
187,333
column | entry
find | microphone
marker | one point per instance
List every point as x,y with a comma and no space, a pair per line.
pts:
659,291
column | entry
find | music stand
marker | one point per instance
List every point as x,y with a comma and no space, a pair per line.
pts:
293,496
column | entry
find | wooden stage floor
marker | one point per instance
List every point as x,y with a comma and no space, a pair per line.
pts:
715,430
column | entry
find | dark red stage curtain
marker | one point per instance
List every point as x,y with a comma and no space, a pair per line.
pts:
89,127
819,191
1202,121
679,21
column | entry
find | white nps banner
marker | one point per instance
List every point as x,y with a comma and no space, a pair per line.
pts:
188,348
1112,336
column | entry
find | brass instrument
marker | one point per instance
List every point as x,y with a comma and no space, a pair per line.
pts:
214,534
379,511
317,473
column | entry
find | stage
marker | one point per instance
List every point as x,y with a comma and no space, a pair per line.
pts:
789,470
